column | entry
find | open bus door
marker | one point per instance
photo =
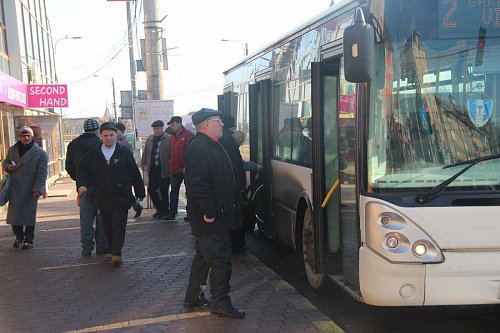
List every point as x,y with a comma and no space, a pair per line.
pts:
321,230
334,228
260,196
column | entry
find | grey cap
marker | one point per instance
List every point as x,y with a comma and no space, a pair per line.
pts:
204,114
157,123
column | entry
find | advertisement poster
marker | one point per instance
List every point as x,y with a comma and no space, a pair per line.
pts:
148,111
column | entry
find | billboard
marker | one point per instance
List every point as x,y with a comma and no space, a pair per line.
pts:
48,95
148,111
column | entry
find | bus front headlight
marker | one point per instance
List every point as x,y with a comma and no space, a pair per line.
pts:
397,238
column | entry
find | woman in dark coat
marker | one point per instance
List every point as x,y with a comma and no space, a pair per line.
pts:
26,163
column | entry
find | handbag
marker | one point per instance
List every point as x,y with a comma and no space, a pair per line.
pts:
4,190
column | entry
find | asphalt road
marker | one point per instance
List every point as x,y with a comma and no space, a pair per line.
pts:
357,317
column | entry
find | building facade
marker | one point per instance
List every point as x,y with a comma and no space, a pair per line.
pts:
27,57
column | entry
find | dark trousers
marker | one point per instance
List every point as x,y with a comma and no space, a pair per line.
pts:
158,191
23,233
114,222
175,182
212,260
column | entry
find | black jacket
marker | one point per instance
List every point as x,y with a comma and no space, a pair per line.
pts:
112,184
211,187
76,149
233,150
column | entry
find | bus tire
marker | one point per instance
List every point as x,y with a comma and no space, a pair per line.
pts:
316,280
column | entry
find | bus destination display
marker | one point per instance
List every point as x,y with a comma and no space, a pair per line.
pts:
463,18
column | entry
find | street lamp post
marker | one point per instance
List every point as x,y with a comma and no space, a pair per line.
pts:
244,45
65,37
55,52
114,95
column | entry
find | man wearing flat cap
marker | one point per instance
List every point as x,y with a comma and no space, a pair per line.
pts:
26,163
111,170
214,209
179,141
88,209
154,162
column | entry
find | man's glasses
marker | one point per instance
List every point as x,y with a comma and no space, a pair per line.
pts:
217,120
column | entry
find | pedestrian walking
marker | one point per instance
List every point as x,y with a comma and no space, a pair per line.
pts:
154,162
123,141
212,194
89,236
26,163
179,141
111,170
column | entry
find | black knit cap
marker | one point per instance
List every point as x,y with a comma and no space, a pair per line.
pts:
90,125
108,126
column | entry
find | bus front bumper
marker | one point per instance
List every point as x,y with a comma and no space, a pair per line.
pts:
465,277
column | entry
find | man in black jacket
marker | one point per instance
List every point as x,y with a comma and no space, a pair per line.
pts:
212,194
111,170
88,210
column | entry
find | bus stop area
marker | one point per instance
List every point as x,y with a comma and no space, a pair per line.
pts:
53,288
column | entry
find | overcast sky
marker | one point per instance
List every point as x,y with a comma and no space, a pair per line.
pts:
193,28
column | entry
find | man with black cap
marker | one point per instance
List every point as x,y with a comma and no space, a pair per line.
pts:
26,163
111,170
88,209
154,162
214,208
179,141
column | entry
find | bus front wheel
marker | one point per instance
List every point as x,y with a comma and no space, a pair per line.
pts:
316,280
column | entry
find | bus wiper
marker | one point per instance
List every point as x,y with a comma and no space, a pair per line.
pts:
437,190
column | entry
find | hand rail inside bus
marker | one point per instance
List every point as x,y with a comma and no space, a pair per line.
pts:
333,188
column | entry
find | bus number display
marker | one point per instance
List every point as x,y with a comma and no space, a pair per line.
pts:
463,18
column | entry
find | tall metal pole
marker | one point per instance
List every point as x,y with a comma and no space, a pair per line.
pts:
153,43
132,62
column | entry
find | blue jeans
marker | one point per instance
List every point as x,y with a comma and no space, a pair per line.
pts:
136,205
89,213
175,184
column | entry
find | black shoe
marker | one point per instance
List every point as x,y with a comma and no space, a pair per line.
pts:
203,303
27,246
232,313
156,215
186,218
86,253
17,243
170,217
138,212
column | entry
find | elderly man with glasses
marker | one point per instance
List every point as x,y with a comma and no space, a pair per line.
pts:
214,208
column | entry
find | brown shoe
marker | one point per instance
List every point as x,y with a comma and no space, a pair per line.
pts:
116,260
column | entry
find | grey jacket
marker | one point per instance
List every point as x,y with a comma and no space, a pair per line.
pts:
164,154
29,175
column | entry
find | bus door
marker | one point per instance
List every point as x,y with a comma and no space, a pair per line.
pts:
326,164
336,228
260,112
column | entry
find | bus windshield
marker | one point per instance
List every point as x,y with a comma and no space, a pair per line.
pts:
435,98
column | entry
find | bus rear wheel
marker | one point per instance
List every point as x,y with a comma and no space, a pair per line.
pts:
316,280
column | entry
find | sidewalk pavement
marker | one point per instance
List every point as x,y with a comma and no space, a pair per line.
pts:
53,288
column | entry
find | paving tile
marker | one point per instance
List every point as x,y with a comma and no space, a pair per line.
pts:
70,293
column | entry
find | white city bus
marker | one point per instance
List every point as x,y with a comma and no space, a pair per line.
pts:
376,125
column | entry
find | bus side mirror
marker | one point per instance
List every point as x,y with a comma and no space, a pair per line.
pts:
359,50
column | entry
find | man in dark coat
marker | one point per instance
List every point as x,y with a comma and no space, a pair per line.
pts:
154,162
212,195
88,210
229,143
26,163
111,170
